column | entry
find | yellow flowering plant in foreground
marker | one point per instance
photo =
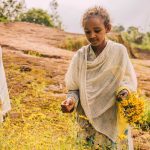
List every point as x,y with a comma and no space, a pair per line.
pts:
132,108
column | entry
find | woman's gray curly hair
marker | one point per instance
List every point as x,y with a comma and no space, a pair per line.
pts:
96,11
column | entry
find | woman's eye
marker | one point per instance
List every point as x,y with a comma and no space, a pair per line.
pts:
97,31
87,32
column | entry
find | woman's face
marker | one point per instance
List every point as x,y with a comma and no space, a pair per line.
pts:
95,30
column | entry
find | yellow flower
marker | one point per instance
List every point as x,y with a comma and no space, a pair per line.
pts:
83,117
122,137
132,108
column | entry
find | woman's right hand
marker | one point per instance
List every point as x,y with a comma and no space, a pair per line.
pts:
123,94
67,106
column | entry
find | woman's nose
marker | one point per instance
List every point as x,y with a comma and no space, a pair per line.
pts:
92,35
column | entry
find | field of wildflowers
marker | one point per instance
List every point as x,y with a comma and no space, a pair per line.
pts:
36,121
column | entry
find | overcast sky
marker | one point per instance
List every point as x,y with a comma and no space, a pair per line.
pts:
122,12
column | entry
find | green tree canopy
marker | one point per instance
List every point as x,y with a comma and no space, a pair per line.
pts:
38,16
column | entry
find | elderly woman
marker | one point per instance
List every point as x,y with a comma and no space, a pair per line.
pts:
98,74
4,96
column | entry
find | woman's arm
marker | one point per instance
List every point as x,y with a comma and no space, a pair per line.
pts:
73,94
71,101
72,85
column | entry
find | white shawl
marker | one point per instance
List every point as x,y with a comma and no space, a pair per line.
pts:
110,70
4,96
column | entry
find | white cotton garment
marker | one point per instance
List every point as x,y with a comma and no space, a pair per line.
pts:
110,70
4,96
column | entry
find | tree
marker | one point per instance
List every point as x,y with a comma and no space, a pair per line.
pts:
118,28
11,9
132,29
54,13
135,35
38,16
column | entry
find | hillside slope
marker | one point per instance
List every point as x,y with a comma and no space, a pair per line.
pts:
20,42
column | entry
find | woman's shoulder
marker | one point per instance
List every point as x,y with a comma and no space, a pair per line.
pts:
82,51
118,48
118,45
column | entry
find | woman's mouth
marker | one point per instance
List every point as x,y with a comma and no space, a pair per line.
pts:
93,41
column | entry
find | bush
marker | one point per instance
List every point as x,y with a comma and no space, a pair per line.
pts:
38,16
3,19
73,43
137,39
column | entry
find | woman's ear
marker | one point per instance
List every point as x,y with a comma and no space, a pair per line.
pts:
108,28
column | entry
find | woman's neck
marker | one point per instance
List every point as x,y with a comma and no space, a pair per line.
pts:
98,49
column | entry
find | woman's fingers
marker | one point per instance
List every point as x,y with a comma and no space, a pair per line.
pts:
63,109
67,105
66,109
123,94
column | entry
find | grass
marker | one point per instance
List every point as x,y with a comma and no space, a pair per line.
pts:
33,53
73,43
36,121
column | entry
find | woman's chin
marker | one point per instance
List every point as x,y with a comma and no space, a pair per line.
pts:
94,44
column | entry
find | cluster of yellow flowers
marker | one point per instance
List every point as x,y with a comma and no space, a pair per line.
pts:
83,117
132,108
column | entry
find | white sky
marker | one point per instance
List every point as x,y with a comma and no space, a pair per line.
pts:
123,12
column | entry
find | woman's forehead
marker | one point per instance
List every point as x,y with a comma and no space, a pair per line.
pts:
93,22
